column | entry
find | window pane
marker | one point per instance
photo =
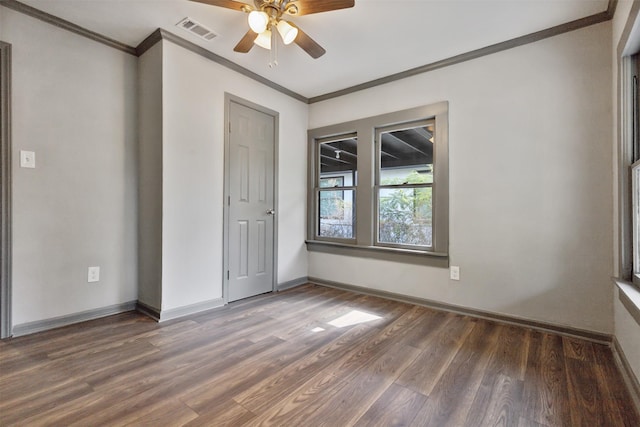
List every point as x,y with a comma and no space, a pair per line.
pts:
406,156
336,213
338,159
404,216
330,182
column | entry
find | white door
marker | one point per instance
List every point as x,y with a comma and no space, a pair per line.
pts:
251,202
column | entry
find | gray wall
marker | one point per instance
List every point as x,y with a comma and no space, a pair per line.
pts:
536,245
626,329
193,175
81,106
181,98
150,177
530,182
74,104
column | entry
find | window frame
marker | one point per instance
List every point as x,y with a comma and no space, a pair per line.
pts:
635,221
378,186
318,189
633,141
365,209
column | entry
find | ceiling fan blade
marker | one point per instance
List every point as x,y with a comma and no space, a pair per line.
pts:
246,43
309,45
307,7
229,4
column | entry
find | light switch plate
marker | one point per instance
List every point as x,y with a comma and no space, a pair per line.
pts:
94,274
27,159
454,272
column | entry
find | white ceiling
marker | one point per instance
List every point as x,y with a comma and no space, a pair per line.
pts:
374,39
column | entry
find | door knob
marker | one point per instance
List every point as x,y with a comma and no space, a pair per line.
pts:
271,212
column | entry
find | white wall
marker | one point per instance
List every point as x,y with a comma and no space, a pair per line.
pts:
626,329
530,182
74,104
193,175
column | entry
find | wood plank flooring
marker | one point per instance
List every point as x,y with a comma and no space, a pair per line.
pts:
283,360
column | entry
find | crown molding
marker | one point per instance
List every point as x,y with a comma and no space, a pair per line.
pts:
611,8
149,42
66,25
478,53
161,34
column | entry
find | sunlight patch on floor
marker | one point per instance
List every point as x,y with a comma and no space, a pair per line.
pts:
354,317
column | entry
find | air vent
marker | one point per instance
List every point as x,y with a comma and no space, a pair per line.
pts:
197,29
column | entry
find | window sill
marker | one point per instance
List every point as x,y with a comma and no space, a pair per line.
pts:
629,296
407,256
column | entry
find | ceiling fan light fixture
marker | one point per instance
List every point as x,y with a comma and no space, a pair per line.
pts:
258,21
292,9
265,15
287,31
264,40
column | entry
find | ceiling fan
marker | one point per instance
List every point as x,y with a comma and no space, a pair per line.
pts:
266,18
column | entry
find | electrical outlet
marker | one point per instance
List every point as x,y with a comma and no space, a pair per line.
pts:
454,272
94,274
27,159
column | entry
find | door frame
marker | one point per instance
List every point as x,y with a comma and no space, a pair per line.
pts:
5,190
228,99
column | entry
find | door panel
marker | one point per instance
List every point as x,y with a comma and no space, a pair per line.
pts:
251,199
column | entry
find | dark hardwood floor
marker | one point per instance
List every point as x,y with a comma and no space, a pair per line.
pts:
285,360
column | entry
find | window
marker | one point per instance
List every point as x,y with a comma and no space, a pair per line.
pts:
337,160
629,170
404,185
635,168
381,183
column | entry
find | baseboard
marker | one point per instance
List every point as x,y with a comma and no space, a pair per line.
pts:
148,311
175,313
292,283
56,322
628,375
592,336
